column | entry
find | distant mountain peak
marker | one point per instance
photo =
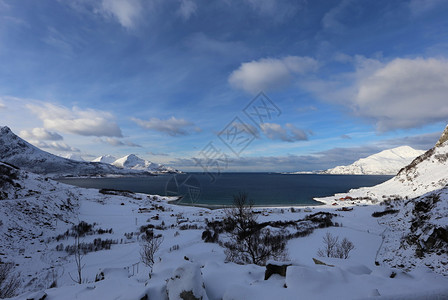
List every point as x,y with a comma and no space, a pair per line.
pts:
386,162
5,130
107,159
16,151
132,161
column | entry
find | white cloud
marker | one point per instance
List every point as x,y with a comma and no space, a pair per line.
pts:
331,20
2,105
187,9
55,145
171,126
40,134
88,122
404,93
399,94
157,153
127,12
288,134
116,142
419,7
199,42
278,11
270,73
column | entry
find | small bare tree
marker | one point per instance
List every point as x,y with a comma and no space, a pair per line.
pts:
149,246
78,261
9,282
248,242
332,247
344,248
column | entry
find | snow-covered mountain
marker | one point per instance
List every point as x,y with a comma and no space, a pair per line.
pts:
107,159
20,153
74,156
392,258
416,206
387,162
426,173
134,162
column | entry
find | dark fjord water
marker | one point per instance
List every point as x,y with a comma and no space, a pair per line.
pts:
265,189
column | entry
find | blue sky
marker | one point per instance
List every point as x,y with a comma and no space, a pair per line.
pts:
165,79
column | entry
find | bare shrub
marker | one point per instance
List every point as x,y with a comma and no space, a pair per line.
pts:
248,242
149,246
9,282
344,248
334,248
78,261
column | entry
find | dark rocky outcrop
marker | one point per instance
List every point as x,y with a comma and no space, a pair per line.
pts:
275,268
443,138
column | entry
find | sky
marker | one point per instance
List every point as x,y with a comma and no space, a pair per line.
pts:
223,86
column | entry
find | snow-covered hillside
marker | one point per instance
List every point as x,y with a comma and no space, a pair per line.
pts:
107,159
37,235
134,162
426,173
416,231
387,162
20,153
398,229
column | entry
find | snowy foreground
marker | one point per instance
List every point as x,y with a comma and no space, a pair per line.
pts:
34,217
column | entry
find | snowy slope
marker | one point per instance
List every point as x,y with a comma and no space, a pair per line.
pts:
134,162
401,255
416,234
426,173
107,159
387,162
31,225
18,152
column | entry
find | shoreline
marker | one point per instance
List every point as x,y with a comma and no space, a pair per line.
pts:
222,206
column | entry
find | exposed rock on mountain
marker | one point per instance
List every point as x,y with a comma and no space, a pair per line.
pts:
443,138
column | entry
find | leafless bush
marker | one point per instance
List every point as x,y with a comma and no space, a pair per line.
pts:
334,248
9,282
344,248
248,242
149,246
78,261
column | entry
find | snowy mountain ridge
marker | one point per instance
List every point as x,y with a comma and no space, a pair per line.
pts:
18,152
387,162
134,162
107,159
426,173
33,238
416,209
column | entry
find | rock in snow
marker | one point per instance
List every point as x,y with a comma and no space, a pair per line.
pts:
186,283
387,162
